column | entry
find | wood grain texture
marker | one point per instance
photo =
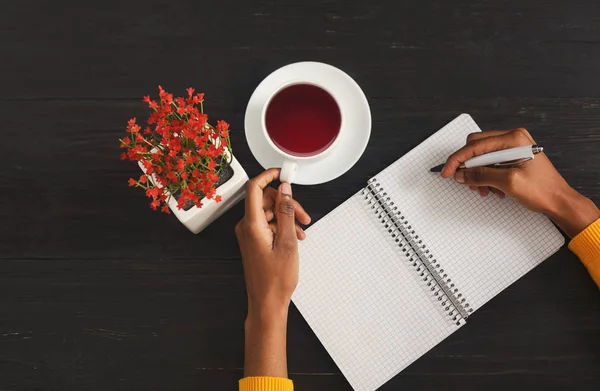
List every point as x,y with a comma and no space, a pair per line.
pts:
98,292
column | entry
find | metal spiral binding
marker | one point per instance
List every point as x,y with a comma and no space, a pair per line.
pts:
429,269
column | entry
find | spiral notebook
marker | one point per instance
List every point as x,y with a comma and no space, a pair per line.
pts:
402,264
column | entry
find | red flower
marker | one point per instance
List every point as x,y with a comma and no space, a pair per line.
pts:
153,192
212,151
202,119
165,209
218,198
185,176
132,182
162,181
198,98
123,156
205,186
153,118
190,91
212,165
180,164
172,177
155,204
132,126
191,159
221,126
168,98
143,179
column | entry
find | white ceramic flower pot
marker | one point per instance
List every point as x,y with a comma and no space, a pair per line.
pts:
196,219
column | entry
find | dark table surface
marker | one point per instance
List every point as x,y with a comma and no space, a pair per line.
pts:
97,292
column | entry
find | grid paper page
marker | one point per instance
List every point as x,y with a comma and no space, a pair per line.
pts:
363,299
484,244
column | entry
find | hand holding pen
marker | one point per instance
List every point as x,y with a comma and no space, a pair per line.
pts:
504,158
534,183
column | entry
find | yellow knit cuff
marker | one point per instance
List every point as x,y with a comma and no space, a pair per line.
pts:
266,384
586,245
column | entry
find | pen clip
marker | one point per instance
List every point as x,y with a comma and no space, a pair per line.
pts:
513,162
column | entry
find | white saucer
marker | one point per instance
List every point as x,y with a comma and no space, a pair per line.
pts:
353,138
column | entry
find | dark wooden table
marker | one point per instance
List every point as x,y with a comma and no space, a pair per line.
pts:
99,293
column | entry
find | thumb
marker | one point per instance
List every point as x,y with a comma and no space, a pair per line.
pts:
286,221
484,176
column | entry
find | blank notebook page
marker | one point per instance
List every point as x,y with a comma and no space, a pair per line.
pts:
363,299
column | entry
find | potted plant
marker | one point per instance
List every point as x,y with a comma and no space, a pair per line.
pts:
188,165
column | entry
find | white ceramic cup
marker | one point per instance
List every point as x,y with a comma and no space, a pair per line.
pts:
289,162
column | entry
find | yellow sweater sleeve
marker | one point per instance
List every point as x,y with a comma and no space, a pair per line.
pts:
586,245
266,384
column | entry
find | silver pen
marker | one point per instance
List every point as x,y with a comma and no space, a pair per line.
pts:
503,158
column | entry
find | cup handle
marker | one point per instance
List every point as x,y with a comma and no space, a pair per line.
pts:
288,171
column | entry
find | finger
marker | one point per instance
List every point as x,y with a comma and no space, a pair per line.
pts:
254,193
472,149
499,193
270,194
269,215
273,227
474,188
484,191
286,221
514,138
485,176
300,234
485,134
301,214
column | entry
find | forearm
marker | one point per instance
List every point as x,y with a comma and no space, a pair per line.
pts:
579,217
573,212
265,350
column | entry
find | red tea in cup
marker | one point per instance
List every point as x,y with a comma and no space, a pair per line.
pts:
303,120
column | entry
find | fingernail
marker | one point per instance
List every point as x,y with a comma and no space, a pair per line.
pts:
286,189
459,177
